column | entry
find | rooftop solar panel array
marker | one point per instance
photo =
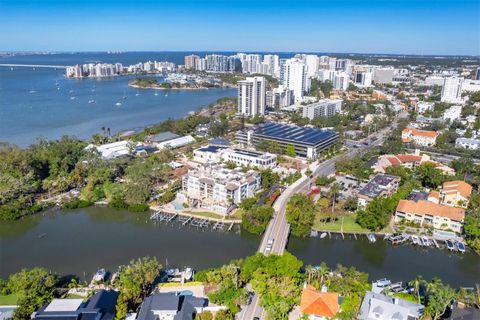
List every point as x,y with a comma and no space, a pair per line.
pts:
310,136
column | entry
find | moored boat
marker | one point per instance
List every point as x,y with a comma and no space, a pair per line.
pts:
449,245
416,240
323,235
100,275
460,246
425,241
371,237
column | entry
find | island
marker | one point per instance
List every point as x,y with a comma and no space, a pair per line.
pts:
152,83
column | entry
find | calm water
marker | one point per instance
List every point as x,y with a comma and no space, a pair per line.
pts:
51,113
80,241
382,260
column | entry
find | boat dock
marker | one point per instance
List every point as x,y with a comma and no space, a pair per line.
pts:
189,220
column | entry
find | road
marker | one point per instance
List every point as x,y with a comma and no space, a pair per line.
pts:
278,228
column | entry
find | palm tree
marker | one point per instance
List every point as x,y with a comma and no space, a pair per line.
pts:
323,271
334,189
103,130
416,284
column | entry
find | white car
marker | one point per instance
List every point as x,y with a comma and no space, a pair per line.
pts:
269,245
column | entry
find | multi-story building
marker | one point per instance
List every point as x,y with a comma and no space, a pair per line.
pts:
201,64
191,61
324,108
362,77
467,143
220,63
382,185
452,90
251,63
453,113
311,61
340,81
307,142
423,138
216,188
429,213
410,161
455,194
470,85
279,97
293,75
240,157
383,75
423,107
434,81
251,96
273,65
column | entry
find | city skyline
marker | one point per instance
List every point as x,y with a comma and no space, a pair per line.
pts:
438,27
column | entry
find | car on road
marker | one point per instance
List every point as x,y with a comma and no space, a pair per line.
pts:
269,245
249,298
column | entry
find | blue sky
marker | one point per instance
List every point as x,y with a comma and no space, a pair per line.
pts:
379,26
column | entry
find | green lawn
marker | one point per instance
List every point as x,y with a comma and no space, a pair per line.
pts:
349,225
205,214
8,300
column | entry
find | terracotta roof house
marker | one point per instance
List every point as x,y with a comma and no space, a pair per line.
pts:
409,161
424,138
319,305
428,213
456,193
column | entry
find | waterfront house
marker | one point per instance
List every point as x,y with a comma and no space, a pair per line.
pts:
431,214
423,138
376,306
117,149
171,306
458,311
455,193
100,306
319,305
382,185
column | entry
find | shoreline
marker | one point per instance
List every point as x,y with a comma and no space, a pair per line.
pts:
156,87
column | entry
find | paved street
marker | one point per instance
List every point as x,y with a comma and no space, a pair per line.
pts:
278,228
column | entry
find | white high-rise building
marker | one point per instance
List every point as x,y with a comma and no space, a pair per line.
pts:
312,64
280,97
340,81
273,63
293,75
251,96
251,63
362,78
452,90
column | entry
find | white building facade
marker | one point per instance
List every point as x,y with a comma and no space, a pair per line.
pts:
251,96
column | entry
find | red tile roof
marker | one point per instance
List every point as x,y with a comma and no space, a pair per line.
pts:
318,303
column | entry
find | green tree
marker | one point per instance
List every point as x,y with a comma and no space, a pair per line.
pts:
290,150
300,214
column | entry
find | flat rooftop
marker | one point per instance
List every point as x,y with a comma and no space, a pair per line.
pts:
292,133
64,305
377,185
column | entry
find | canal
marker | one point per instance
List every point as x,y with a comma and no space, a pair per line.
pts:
80,241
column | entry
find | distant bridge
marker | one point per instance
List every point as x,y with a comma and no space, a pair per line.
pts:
32,66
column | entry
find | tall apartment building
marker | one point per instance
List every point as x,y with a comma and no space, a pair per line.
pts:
452,90
312,63
190,61
340,81
279,97
251,63
324,108
293,75
272,62
220,63
201,64
362,78
251,96
383,75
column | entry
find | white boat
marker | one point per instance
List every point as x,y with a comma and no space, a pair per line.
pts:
172,272
323,235
450,245
118,104
460,246
100,275
371,237
32,91
435,243
416,240
72,98
155,94
425,241
91,101
188,274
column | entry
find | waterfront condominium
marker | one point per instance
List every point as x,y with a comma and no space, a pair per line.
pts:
293,75
191,61
251,96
